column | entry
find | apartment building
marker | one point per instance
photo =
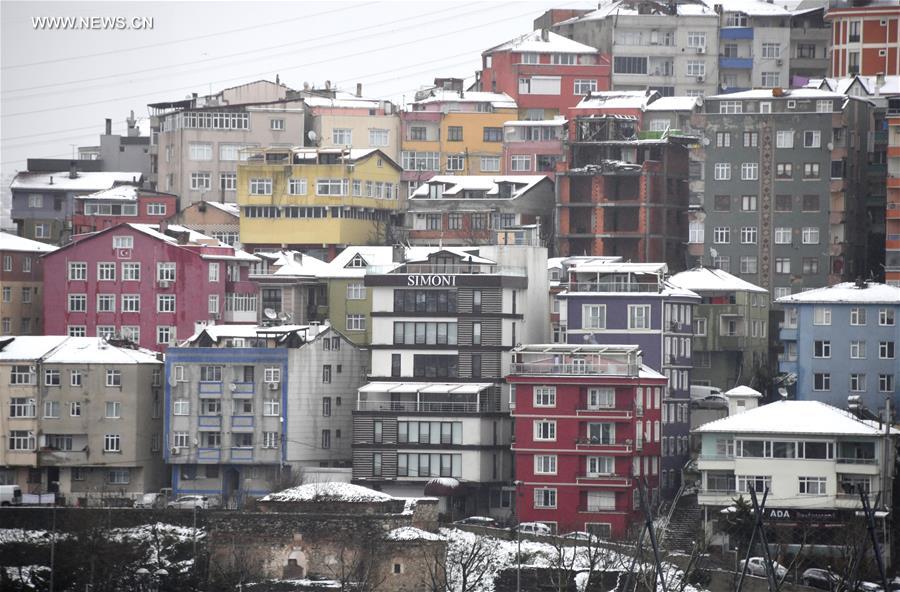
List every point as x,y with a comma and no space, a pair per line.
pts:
668,47
533,147
842,340
147,284
810,51
248,405
467,210
317,200
754,45
220,220
731,329
892,211
614,303
121,204
444,321
21,285
587,432
813,458
452,131
290,287
783,206
198,142
43,203
620,195
82,418
865,38
544,72
118,152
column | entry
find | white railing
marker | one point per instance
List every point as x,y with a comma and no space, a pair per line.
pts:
423,406
573,369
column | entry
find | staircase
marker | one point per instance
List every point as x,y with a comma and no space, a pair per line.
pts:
685,524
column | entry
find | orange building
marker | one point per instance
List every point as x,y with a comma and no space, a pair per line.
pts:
865,39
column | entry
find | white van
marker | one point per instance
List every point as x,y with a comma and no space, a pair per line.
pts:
699,392
10,495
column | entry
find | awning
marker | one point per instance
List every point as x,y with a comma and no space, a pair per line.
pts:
425,387
443,486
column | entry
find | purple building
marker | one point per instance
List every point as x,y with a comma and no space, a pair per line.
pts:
614,303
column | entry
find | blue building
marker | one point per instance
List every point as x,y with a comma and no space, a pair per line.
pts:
614,303
841,341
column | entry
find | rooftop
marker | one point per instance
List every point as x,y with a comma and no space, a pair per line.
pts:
439,95
849,292
674,104
618,99
443,388
119,193
82,182
12,242
218,332
228,208
787,93
707,279
533,42
61,349
614,8
344,265
28,347
793,417
455,185
749,7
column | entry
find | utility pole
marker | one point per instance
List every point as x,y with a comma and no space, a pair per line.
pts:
870,525
648,526
53,545
770,572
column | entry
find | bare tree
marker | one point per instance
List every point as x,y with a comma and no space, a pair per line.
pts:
467,563
357,564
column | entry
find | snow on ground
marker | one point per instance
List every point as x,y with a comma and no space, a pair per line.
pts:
25,573
145,532
411,533
19,535
330,491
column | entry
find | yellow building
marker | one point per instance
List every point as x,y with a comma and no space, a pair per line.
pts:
317,200
454,132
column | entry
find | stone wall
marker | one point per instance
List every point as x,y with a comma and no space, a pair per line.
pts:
72,519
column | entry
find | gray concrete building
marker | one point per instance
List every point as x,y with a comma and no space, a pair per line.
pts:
754,44
784,175
810,42
248,408
129,152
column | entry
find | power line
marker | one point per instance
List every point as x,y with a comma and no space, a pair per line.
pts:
185,39
306,41
325,61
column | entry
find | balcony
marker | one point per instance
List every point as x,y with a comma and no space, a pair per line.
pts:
736,33
209,455
446,407
209,389
718,497
242,423
242,390
211,423
605,481
50,457
735,63
858,466
447,269
241,455
616,287
599,445
573,369
608,413
892,210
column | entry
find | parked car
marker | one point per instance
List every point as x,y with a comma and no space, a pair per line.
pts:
757,567
821,579
579,535
534,528
189,502
10,495
478,521
152,500
710,402
869,587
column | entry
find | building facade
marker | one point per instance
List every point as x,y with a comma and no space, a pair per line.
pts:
731,329
121,204
865,38
892,211
248,405
444,321
842,340
117,152
82,417
587,433
220,220
21,285
611,303
754,45
533,146
146,284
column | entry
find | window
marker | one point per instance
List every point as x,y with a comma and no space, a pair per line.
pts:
600,465
857,383
454,221
131,303
886,317
722,235
584,86
696,39
228,181
730,107
545,396
200,151
456,162
77,271
748,235
35,200
748,264
812,485
857,350
783,265
74,330
455,133
21,440
114,409
41,231
722,171
601,398
164,334
783,235
857,316
326,373
812,139
379,137
770,79
490,164
886,350
545,464
296,186
822,381
271,408
201,181
821,315
823,106
165,272
112,443
356,291
493,134
748,203
822,349
545,497
810,235
750,171
332,186
811,170
639,316
342,136
886,383
593,316
545,430
723,139
696,232
51,409
520,162
810,203
696,68
629,65
181,407
356,322
261,186
77,303
784,139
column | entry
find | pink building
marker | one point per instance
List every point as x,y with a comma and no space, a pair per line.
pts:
122,203
148,284
533,147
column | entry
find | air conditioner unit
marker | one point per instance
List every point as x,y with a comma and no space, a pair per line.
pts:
273,386
175,451
701,78
779,62
701,49
163,284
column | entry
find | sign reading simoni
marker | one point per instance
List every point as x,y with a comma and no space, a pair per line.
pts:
436,280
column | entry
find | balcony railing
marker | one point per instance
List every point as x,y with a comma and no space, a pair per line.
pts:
209,454
549,369
630,287
607,412
424,406
447,269
857,461
608,445
242,422
239,389
242,455
209,422
209,387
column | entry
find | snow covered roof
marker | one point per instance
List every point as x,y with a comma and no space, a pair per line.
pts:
533,42
788,93
28,347
890,85
12,242
847,292
613,8
617,99
90,181
343,99
218,332
469,254
328,492
707,279
792,417
743,391
621,267
411,533
371,255
674,104
197,238
749,7
488,183
670,290
293,263
353,154
119,193
446,388
228,208
648,372
96,350
440,95
536,122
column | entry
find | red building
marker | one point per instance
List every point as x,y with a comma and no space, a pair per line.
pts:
546,74
587,429
123,203
865,38
144,283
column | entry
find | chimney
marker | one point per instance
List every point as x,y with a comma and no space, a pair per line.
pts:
327,85
73,170
545,34
108,126
163,226
398,254
359,89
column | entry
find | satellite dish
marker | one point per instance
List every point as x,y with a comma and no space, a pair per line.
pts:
270,314
714,252
705,141
782,392
312,135
283,316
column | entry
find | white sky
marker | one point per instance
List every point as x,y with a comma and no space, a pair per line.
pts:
57,87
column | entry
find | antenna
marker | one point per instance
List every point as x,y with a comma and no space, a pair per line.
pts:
270,314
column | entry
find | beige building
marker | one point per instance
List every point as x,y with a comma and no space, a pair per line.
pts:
21,285
197,142
213,218
80,417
